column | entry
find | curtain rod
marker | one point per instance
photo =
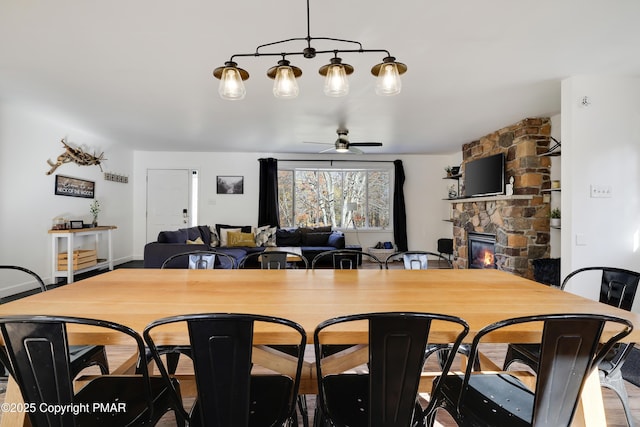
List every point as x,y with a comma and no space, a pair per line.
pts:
333,160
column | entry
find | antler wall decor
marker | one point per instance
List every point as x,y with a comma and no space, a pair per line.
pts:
76,155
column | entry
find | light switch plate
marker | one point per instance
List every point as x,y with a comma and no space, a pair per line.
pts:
600,191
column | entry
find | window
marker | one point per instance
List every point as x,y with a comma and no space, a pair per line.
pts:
341,198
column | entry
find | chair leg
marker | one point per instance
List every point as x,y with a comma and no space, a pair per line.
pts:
615,382
304,411
172,362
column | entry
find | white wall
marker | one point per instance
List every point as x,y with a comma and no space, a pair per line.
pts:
601,146
424,191
29,205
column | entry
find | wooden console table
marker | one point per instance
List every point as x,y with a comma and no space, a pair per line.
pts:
71,235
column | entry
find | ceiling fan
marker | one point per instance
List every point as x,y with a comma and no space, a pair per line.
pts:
342,144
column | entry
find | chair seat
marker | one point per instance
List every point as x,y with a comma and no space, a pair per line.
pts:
268,401
121,402
497,399
348,399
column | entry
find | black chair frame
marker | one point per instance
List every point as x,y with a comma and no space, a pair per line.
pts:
82,356
386,395
228,393
37,356
273,260
401,254
345,259
173,259
618,288
571,349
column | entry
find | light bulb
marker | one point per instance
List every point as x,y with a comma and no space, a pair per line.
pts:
388,82
285,85
231,86
336,83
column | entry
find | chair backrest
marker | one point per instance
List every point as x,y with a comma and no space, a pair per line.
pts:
222,353
617,286
274,260
25,270
570,349
199,260
419,260
395,358
344,259
37,355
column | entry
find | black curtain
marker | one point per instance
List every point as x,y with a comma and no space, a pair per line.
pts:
268,212
399,212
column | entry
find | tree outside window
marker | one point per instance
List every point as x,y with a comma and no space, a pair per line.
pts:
336,198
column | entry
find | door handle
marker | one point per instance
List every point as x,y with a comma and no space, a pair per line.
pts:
185,215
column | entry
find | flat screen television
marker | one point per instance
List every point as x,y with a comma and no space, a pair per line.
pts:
485,176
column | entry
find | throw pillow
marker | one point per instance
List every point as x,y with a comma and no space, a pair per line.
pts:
215,240
288,237
336,240
179,236
223,235
243,228
266,236
198,241
235,239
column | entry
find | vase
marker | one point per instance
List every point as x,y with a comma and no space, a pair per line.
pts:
95,222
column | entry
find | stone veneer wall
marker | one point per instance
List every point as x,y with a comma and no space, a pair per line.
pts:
521,225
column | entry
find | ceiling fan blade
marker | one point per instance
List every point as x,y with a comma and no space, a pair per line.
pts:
327,150
314,142
366,144
354,150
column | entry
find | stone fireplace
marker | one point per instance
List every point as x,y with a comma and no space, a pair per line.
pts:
519,222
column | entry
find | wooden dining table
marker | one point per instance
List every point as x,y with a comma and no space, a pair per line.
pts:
136,297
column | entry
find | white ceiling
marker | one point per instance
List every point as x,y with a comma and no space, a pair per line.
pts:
139,71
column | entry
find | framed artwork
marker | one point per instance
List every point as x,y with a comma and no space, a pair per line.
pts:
230,184
74,187
76,224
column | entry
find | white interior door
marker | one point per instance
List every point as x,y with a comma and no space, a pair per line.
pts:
167,200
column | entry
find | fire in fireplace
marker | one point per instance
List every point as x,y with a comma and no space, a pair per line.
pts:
482,250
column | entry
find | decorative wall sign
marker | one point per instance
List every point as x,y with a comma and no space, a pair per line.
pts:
75,187
76,155
230,185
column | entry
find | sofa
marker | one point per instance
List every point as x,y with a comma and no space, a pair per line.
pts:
240,241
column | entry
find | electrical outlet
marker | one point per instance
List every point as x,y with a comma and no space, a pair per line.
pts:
600,191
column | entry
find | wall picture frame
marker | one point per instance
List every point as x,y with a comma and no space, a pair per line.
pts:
230,184
74,187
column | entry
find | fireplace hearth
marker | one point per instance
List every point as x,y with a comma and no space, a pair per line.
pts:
482,250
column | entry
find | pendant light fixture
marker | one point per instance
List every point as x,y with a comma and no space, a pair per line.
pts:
284,74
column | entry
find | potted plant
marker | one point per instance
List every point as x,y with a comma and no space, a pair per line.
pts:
94,208
447,169
555,217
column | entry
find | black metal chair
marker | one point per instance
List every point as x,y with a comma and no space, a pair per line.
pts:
37,357
377,385
571,348
200,260
418,260
617,288
274,260
344,259
82,356
228,392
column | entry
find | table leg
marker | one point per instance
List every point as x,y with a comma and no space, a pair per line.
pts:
590,411
13,418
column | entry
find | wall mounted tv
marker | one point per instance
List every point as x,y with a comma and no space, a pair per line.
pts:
484,176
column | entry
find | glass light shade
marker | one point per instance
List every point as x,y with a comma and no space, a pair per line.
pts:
336,83
231,86
388,82
285,85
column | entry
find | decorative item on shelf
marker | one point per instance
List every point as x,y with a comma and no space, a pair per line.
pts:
447,169
76,224
284,74
116,177
555,217
94,208
555,184
455,170
508,190
76,155
59,223
453,192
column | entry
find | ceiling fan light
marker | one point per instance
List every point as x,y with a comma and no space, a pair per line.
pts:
231,85
342,150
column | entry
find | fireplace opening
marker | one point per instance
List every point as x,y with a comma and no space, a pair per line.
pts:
482,250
